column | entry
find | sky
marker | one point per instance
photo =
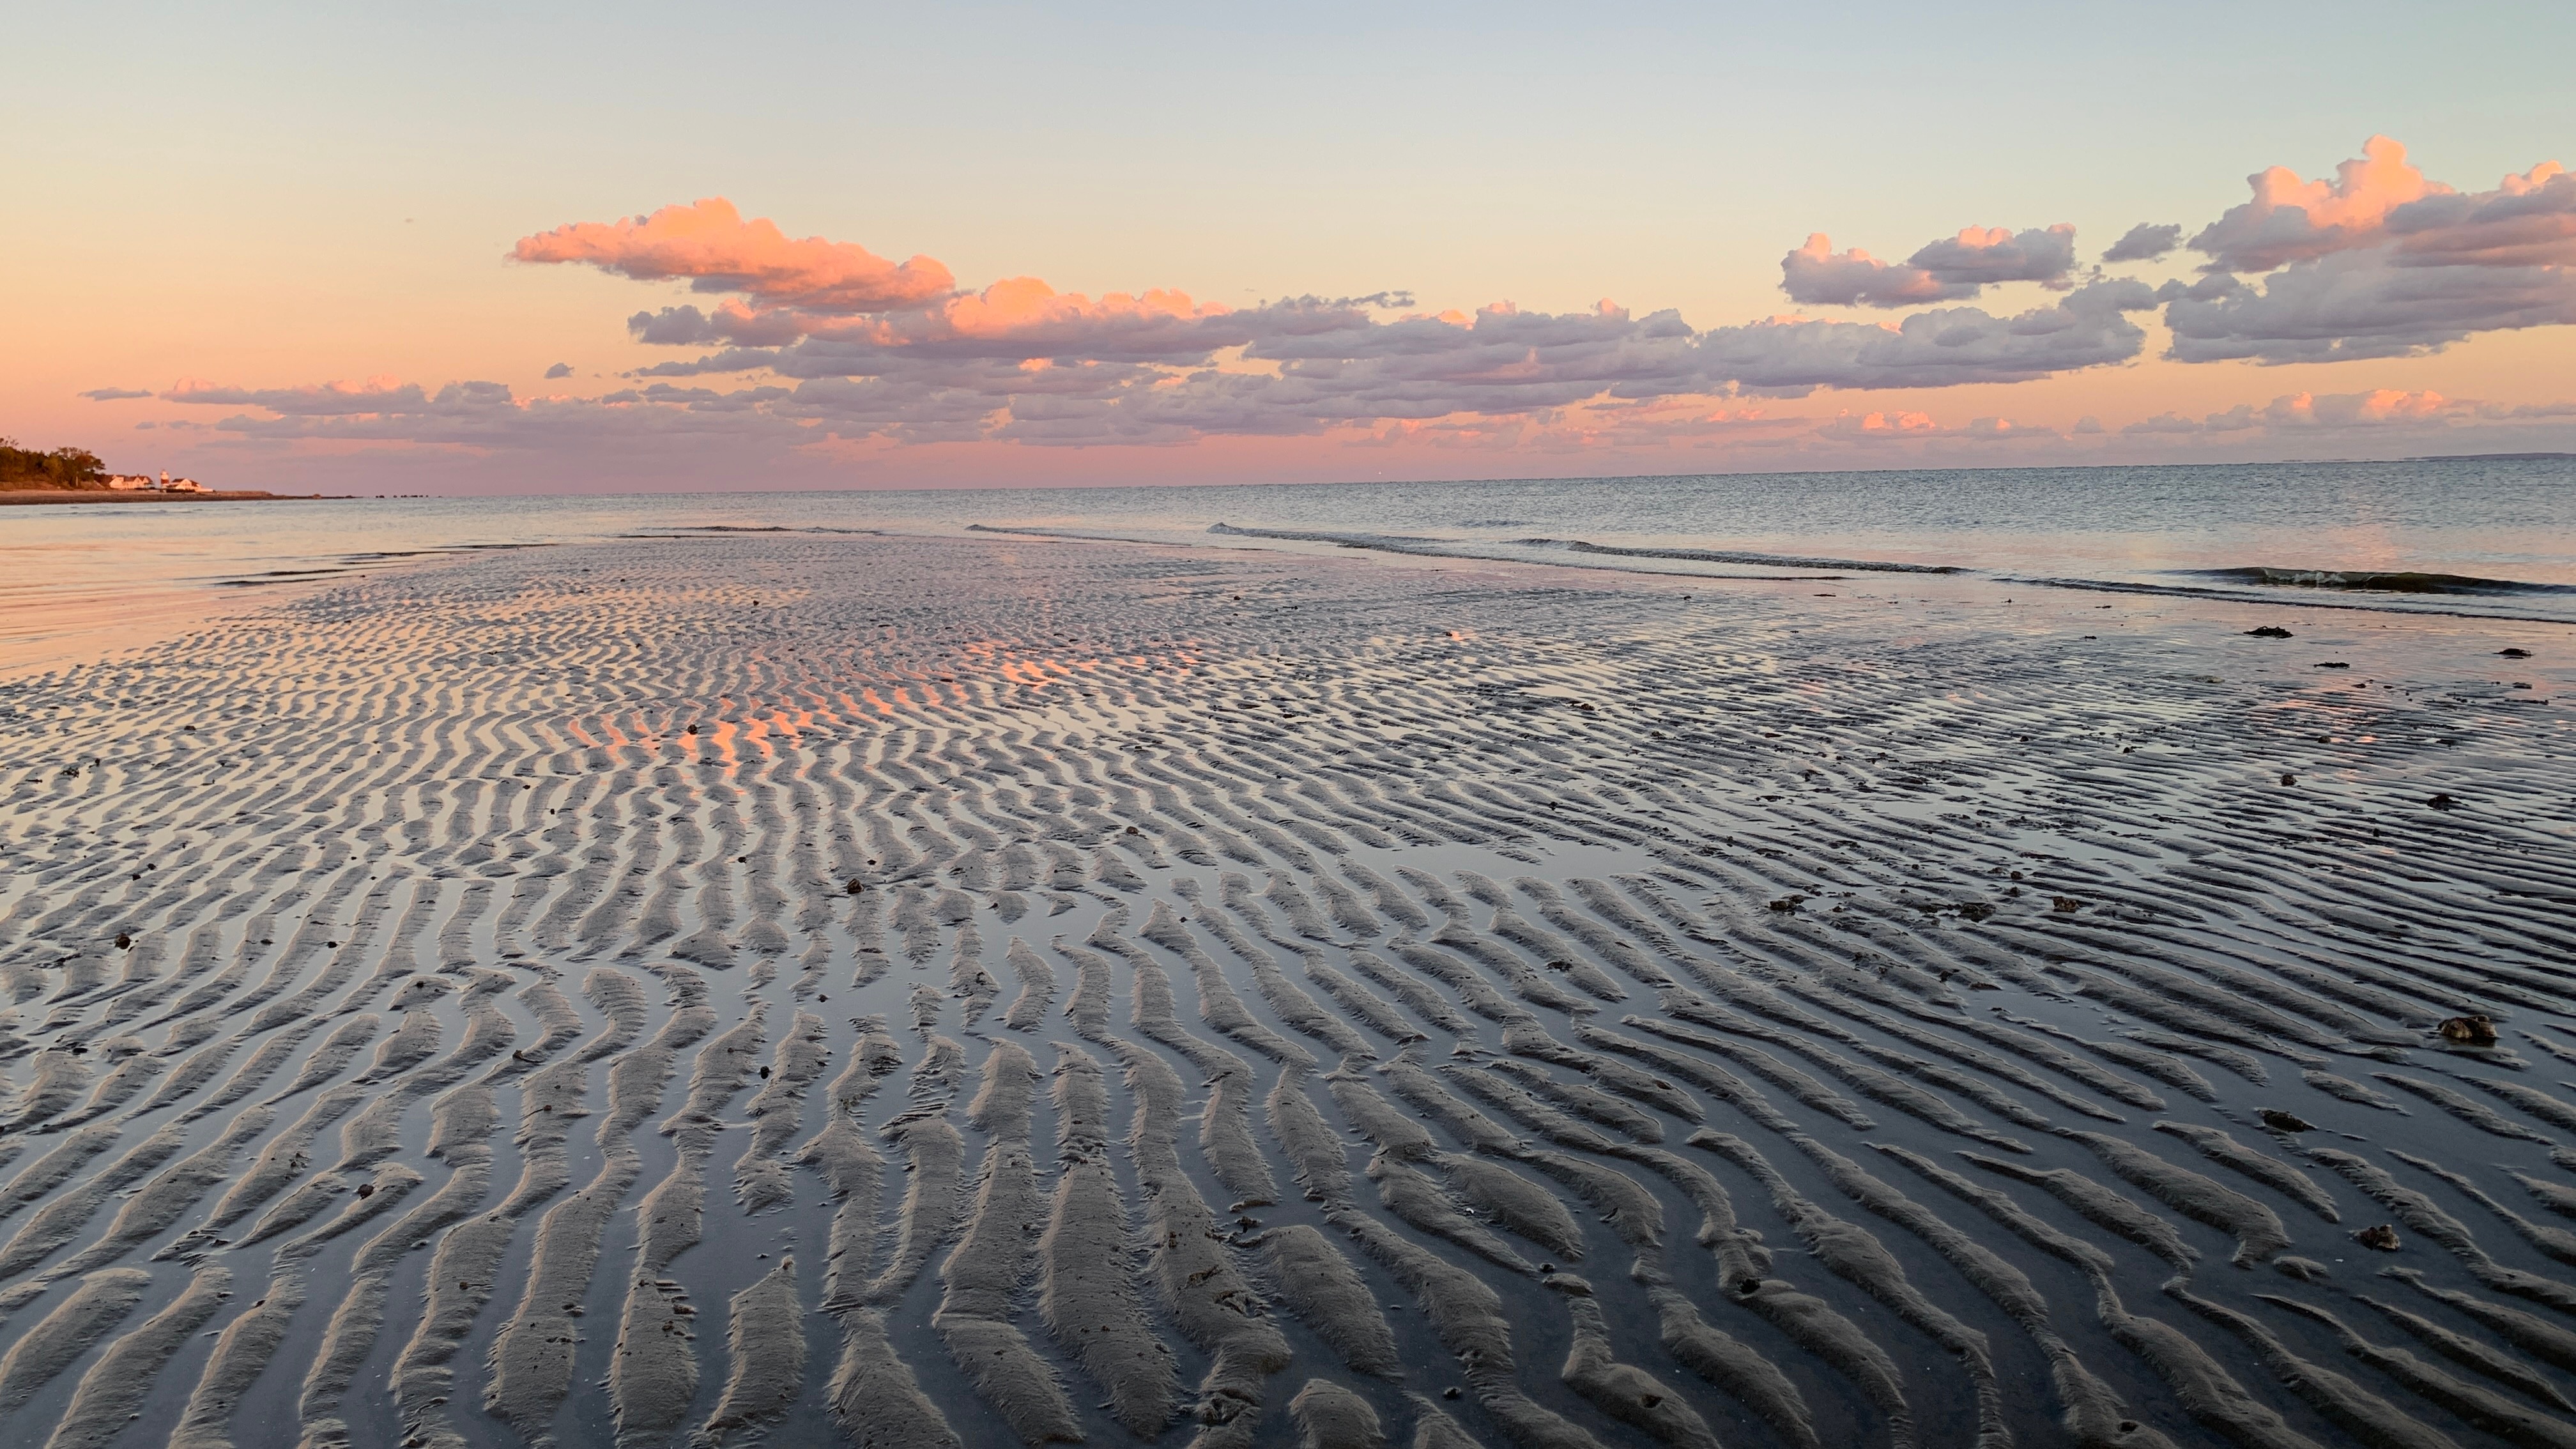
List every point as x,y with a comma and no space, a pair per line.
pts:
481,249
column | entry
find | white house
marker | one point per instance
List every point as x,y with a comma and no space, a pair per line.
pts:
131,482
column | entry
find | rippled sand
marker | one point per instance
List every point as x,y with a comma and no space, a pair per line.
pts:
923,992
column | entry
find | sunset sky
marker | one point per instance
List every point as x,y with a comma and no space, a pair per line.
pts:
470,248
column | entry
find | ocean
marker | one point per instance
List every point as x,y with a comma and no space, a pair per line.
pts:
2492,537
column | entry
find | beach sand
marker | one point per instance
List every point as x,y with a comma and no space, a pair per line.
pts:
918,992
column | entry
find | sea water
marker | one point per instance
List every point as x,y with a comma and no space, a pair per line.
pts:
2483,536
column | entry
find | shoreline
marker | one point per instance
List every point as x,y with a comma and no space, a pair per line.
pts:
34,496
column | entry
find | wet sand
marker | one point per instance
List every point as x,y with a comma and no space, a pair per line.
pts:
915,991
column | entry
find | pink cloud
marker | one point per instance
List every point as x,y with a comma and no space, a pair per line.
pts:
2379,262
1818,276
1023,317
1983,256
1943,347
1949,270
1896,427
2356,304
853,351
2527,221
717,251
2388,408
2290,220
375,395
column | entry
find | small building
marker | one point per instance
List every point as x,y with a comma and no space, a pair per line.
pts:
132,482
181,485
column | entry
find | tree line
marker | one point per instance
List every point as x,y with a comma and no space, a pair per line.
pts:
61,468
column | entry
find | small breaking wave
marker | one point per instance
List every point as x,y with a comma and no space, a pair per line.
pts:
2363,603
2393,581
1388,542
1735,556
1084,535
1497,550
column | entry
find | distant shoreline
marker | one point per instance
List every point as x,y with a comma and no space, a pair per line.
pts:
2493,458
100,495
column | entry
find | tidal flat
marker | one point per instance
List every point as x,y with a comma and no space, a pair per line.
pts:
813,988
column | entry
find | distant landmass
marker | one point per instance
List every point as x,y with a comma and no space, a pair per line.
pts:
2491,457
61,468
75,475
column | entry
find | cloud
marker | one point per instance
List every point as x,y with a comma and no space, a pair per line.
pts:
2290,220
731,322
1941,348
115,394
2359,305
2527,221
2387,409
2145,242
485,417
2379,262
1052,367
375,395
1984,256
710,245
1895,427
2500,412
1949,270
1019,362
1816,275
1654,423
797,344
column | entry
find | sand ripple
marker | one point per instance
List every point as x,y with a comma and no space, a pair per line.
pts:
1142,995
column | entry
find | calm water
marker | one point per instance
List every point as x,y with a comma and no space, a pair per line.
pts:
2499,537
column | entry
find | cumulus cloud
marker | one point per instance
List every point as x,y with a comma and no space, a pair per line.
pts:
115,394
2381,261
2145,242
842,345
2290,220
1816,275
1983,256
560,369
731,323
1949,270
1089,372
2359,305
710,245
1940,348
1023,363
2527,221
